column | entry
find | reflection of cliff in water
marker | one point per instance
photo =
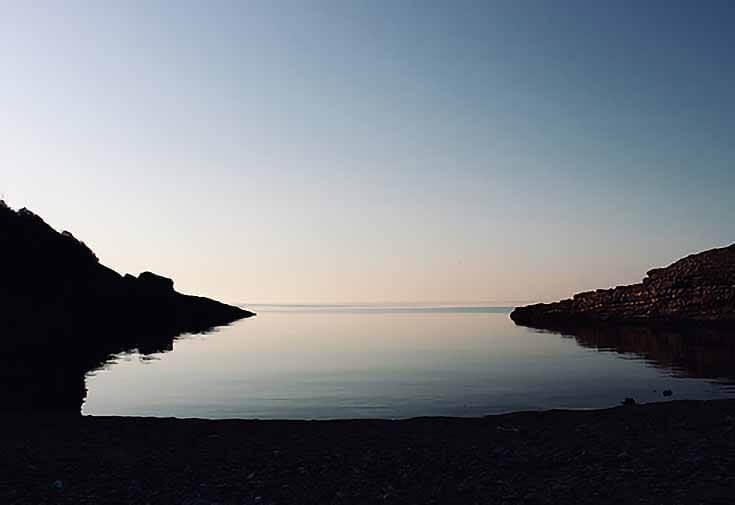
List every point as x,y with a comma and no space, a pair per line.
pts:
48,374
706,353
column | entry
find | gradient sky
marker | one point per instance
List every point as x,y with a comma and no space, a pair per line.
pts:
374,151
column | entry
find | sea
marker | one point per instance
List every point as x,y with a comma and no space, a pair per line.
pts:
402,361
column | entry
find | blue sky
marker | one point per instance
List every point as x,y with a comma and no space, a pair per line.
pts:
374,151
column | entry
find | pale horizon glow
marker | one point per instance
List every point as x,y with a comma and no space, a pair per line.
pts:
445,152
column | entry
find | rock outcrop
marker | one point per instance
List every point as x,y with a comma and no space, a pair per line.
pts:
698,289
63,313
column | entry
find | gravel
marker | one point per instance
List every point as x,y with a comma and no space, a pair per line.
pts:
670,452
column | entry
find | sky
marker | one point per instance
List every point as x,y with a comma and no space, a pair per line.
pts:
374,151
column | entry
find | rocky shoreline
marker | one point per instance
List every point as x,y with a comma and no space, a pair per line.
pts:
696,290
671,452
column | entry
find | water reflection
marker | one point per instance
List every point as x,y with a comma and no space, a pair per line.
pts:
46,372
347,362
389,362
704,353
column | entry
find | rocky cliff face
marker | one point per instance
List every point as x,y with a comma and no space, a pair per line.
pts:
697,289
63,313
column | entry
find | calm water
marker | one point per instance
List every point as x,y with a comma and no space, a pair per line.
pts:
385,361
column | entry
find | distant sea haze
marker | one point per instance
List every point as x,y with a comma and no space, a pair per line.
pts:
381,307
396,361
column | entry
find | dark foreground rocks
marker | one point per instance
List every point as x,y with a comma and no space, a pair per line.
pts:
674,452
699,289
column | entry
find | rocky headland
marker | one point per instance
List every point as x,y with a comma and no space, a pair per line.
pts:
64,313
696,290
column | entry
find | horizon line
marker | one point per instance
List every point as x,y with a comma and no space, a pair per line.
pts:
482,303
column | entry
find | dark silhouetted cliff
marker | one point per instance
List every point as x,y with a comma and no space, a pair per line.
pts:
697,289
63,313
